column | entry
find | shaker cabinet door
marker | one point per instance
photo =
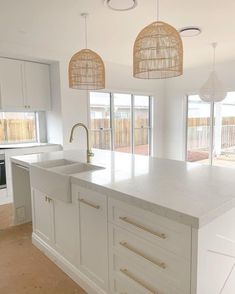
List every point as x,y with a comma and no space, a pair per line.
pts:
11,84
93,236
43,216
37,86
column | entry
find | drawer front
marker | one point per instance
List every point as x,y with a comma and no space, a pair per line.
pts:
170,268
159,230
122,285
127,275
93,200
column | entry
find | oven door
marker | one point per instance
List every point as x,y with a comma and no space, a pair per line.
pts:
2,173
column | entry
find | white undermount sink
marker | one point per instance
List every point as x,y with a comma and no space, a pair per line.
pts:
53,177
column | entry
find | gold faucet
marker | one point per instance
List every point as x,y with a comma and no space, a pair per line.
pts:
88,152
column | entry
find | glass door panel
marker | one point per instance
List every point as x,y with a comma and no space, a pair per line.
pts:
141,112
198,130
122,122
100,122
224,132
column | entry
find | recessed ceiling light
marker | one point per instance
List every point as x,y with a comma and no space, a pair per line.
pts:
189,31
120,5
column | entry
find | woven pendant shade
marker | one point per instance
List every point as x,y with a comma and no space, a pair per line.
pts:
86,71
158,52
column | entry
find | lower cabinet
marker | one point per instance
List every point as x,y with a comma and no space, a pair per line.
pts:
55,222
42,216
77,232
65,230
93,235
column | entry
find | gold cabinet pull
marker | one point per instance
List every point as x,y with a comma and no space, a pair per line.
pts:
89,204
129,221
135,279
129,247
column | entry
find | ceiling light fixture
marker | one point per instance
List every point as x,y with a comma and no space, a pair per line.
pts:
86,68
190,31
121,5
213,90
158,52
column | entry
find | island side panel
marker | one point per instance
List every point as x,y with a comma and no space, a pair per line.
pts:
216,256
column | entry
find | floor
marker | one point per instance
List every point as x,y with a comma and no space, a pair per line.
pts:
24,269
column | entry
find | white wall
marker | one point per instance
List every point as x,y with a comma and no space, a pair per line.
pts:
70,106
54,117
176,90
118,78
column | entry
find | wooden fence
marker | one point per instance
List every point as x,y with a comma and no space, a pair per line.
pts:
101,138
199,133
17,130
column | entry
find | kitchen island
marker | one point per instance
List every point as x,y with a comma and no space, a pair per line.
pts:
137,224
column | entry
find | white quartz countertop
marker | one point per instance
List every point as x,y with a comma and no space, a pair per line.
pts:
24,145
189,193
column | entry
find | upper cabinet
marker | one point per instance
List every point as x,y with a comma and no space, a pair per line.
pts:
24,86
37,85
11,84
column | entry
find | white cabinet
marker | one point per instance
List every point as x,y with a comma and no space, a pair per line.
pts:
24,86
11,84
37,86
42,216
65,230
93,236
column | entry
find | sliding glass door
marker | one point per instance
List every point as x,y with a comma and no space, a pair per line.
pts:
211,131
100,120
121,122
142,125
224,132
198,130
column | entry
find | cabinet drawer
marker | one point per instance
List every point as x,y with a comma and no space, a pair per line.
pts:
169,267
159,230
128,275
90,199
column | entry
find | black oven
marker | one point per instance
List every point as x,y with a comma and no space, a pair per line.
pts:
2,172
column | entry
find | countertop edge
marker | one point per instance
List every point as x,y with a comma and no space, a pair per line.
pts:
132,200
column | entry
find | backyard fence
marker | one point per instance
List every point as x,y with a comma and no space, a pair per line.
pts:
101,133
199,133
17,130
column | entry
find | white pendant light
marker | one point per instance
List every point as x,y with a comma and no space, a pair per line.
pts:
213,90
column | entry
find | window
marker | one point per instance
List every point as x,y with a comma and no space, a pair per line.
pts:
18,127
211,131
121,122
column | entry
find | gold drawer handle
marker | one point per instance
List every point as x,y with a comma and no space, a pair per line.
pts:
89,204
127,220
129,247
132,277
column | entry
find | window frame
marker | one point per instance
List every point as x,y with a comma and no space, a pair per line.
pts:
112,130
37,133
212,129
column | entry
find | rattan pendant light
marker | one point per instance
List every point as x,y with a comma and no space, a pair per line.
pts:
86,68
158,51
213,90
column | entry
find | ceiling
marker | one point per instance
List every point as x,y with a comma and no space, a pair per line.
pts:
57,25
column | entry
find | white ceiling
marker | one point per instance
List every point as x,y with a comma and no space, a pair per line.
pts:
56,25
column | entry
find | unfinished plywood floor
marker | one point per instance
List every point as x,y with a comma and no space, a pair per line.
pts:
25,270
6,216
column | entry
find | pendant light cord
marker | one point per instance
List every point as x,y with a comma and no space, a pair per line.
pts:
157,10
85,17
214,45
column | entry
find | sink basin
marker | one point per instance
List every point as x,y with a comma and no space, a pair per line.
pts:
54,163
53,177
75,168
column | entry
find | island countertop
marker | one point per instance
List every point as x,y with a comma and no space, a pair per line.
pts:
189,193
